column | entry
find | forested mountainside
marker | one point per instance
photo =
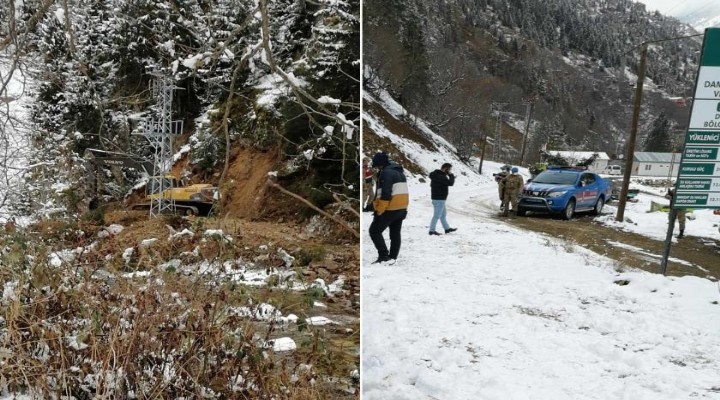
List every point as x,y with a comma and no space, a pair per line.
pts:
261,86
455,63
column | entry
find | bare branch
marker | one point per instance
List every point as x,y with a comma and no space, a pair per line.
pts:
314,207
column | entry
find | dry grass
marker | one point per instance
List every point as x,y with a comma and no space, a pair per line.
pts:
84,329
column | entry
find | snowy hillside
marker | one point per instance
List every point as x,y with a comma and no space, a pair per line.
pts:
494,311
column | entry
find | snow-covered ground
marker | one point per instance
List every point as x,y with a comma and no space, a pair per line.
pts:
653,224
496,312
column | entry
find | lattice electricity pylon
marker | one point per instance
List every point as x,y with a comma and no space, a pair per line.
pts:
160,131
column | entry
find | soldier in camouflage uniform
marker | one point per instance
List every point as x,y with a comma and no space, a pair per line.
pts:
500,180
513,186
680,213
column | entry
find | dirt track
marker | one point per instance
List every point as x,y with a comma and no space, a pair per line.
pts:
689,256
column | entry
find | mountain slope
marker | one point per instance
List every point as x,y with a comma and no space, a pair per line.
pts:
455,64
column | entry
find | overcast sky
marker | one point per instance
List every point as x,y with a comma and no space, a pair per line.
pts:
679,7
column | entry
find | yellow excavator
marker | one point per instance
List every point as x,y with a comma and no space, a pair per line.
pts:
195,199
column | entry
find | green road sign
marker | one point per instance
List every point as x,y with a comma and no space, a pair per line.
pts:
698,183
699,169
707,200
701,153
703,137
711,50
703,184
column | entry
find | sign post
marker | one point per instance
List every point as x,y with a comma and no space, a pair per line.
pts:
698,182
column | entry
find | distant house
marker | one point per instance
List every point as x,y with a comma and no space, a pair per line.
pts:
656,164
576,157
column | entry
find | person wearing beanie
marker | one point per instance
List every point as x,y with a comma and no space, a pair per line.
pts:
513,186
391,202
380,160
440,180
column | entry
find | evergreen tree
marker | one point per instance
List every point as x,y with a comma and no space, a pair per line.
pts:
659,140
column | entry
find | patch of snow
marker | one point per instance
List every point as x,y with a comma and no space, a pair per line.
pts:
290,318
328,100
320,321
286,257
58,258
283,344
9,291
111,230
147,243
217,234
193,61
137,274
75,344
185,233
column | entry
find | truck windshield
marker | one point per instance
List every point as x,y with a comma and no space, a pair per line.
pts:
556,178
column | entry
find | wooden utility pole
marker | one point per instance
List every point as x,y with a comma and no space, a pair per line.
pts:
530,102
497,146
630,149
482,152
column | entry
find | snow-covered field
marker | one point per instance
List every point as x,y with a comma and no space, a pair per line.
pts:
495,312
700,222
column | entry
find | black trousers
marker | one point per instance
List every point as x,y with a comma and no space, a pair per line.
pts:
392,220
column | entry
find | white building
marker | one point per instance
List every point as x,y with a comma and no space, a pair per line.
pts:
656,164
575,157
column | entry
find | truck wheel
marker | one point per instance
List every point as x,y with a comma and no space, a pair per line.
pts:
569,210
598,206
521,212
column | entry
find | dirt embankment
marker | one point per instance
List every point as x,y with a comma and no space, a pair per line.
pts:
244,188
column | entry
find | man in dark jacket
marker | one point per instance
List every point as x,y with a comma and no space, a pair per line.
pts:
440,180
391,202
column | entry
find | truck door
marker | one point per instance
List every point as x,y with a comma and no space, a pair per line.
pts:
589,190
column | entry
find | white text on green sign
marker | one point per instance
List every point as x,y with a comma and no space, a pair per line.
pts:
697,199
703,137
701,153
701,184
710,169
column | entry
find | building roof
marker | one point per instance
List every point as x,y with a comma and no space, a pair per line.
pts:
652,157
579,155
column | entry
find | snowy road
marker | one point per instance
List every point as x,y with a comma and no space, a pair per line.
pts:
495,312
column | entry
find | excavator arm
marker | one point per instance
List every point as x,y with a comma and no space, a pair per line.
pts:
115,159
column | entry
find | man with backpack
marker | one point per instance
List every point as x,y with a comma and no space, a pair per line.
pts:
391,202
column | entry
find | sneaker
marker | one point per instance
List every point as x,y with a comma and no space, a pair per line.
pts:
382,259
450,230
390,261
434,233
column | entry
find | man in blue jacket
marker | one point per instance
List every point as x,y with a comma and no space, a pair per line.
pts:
440,180
391,202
